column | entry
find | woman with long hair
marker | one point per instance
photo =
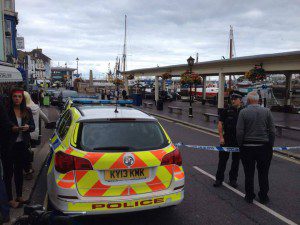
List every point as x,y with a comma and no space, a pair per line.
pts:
14,156
37,113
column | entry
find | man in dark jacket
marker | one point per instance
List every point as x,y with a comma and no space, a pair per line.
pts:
5,127
124,94
227,128
255,134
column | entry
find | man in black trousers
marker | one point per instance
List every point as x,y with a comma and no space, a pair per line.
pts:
227,128
255,134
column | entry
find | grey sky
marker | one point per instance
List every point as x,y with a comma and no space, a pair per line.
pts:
159,32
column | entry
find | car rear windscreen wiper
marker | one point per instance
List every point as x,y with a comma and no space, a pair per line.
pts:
115,148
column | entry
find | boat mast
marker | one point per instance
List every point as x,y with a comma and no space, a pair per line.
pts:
124,47
231,43
231,46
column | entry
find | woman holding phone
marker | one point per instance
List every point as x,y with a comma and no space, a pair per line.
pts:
14,156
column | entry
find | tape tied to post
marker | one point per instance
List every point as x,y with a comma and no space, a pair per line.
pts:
229,149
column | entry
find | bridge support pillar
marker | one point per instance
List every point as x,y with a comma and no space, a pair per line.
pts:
156,88
288,88
204,89
221,92
163,84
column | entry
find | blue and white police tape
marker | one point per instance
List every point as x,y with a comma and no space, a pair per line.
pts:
228,149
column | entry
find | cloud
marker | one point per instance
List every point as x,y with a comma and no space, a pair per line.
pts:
253,14
159,32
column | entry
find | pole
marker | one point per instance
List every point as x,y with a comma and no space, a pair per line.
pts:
190,108
77,67
116,110
230,52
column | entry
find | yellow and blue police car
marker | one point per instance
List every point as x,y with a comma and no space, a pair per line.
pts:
106,161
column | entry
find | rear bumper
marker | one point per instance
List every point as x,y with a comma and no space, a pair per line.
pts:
122,206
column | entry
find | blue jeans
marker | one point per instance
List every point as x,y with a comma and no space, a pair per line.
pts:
4,207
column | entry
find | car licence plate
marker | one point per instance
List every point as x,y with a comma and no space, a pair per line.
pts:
130,174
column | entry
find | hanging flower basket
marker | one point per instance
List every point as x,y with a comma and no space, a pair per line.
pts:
166,76
256,74
117,81
130,77
193,78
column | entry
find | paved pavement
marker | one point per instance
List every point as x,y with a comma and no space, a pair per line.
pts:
288,138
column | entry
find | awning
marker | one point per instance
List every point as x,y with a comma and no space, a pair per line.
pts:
9,74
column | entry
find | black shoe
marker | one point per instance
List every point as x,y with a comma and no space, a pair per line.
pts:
248,200
233,184
264,200
218,183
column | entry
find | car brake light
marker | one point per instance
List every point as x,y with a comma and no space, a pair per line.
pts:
172,158
82,164
65,163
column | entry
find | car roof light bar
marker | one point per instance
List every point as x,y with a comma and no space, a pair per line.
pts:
103,102
87,97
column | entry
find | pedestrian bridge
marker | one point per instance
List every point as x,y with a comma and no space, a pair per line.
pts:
286,63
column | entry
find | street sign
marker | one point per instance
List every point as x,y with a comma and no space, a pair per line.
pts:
20,43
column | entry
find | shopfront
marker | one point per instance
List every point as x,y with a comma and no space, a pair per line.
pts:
9,77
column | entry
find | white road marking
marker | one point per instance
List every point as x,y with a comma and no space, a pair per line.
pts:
286,158
192,128
277,215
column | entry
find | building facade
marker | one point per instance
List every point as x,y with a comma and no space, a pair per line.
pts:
42,64
9,75
2,46
10,22
36,64
62,74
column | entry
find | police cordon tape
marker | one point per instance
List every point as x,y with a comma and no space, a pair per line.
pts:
228,149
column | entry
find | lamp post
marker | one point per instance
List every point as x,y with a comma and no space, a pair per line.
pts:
190,62
77,64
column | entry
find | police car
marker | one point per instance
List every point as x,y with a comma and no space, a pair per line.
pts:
106,161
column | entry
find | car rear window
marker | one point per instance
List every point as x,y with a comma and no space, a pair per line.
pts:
121,136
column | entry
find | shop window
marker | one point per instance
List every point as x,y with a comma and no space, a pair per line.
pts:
7,26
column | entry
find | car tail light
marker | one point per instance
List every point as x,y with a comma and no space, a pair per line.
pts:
82,164
172,158
65,163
